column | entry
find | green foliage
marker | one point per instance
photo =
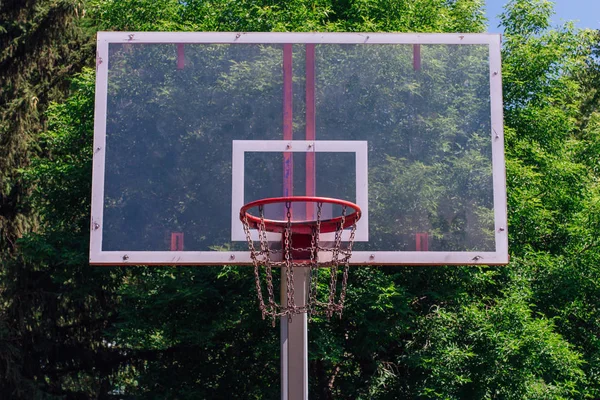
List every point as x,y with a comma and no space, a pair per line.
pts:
496,348
61,179
526,331
53,305
527,17
41,44
195,333
552,178
292,16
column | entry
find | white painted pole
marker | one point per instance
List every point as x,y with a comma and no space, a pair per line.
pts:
294,341
283,341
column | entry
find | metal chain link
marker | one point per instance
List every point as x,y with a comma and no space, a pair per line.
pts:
346,270
313,283
291,305
264,246
331,306
263,257
253,255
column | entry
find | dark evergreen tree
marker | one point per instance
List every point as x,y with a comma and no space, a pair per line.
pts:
55,308
42,44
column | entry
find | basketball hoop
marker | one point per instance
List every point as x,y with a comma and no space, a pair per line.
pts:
301,247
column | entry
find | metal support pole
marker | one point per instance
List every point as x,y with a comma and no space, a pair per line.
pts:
294,341
294,335
283,340
294,332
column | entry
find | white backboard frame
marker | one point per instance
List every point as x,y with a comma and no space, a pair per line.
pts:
497,257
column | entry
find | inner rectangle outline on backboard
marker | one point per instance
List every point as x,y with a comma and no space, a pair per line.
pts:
241,147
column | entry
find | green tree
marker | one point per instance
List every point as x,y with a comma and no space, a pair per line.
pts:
42,44
527,331
55,309
553,176
539,322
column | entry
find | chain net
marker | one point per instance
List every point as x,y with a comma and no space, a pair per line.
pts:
317,256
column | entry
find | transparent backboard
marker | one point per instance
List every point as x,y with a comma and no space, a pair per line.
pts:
191,126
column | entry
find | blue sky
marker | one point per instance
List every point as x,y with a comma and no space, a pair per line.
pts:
586,13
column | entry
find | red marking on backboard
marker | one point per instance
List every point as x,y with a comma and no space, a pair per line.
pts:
310,127
422,241
417,57
176,241
288,161
180,56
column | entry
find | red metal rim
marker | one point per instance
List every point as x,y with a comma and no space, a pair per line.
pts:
303,227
